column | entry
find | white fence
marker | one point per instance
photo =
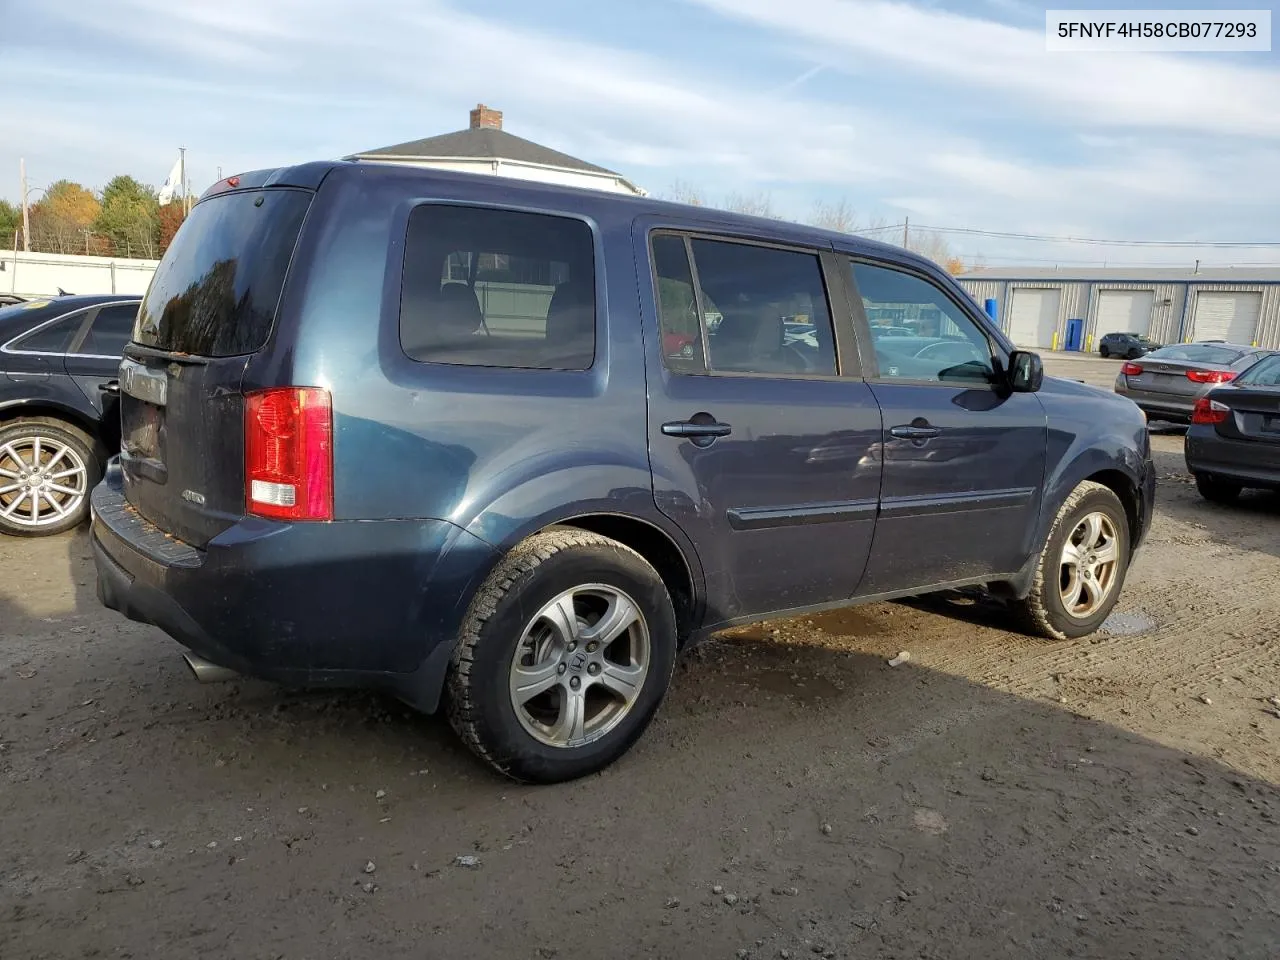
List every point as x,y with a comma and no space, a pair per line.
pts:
43,274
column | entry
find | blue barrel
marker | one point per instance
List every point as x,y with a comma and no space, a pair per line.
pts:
992,311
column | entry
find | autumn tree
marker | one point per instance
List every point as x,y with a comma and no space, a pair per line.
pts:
130,218
170,218
61,220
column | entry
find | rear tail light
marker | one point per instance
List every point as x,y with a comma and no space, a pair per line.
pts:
1131,369
1209,411
1210,376
288,453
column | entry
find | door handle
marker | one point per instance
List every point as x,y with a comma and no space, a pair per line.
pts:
691,428
111,386
913,432
701,429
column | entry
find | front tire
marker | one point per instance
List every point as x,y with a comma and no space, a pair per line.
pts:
564,657
1217,491
47,470
1082,567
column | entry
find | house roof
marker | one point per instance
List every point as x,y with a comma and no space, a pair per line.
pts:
1125,274
485,143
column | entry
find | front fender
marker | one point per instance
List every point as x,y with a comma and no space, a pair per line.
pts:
1085,459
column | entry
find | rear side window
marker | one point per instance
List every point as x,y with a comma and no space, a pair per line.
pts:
110,331
54,338
498,288
752,309
216,290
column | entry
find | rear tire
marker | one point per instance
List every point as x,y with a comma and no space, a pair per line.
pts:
1217,491
530,690
1082,567
66,463
1104,353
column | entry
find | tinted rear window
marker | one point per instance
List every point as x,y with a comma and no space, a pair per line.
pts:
1264,374
1197,353
216,290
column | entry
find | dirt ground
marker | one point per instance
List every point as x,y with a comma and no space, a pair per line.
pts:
996,796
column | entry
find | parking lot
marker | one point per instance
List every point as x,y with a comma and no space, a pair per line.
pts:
995,796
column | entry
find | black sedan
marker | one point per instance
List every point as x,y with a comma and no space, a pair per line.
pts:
59,418
1167,382
1234,438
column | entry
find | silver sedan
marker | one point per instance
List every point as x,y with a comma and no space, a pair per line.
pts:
1167,382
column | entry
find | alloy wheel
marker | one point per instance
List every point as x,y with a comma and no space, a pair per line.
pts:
1089,564
42,481
580,665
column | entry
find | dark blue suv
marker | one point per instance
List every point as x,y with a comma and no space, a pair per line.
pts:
509,446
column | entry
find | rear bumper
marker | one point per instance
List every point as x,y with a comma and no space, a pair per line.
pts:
350,603
1158,406
1249,463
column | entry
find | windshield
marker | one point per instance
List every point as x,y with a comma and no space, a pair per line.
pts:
1198,353
215,292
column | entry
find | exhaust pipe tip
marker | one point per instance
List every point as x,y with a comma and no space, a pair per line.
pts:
206,671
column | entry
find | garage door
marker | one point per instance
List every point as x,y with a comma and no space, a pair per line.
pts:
1033,316
1124,311
1227,316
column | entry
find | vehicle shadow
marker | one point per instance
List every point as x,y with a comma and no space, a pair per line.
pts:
790,796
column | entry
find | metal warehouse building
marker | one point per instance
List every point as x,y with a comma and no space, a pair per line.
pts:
1061,309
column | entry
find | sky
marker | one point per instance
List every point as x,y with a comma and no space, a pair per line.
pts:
948,113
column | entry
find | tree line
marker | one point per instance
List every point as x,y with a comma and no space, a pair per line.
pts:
124,220
838,215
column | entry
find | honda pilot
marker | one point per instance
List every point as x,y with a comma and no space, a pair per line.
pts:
505,448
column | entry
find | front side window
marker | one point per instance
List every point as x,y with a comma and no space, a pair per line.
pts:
111,330
919,332
754,309
498,288
54,338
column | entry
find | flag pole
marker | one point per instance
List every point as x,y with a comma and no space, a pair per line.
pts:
182,176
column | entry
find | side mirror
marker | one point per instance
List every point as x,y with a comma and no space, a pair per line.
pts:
1026,371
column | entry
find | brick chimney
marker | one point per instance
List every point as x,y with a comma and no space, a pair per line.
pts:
485,117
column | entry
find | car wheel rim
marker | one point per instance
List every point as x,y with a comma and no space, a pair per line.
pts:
580,665
42,481
1090,562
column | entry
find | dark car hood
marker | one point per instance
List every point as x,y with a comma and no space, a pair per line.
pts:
1062,386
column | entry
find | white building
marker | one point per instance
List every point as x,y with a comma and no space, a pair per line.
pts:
1072,308
484,147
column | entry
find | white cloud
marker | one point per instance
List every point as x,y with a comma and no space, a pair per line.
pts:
1010,64
336,80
